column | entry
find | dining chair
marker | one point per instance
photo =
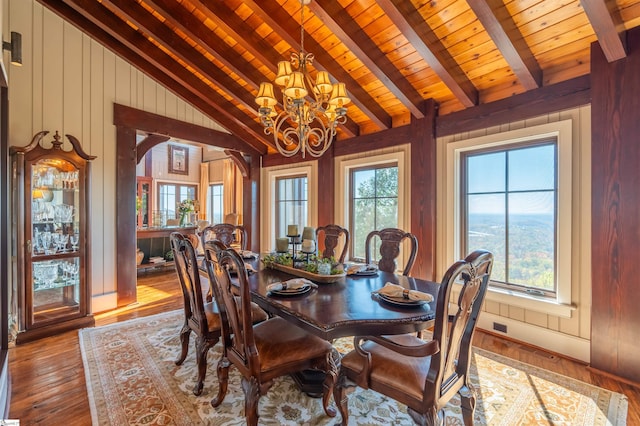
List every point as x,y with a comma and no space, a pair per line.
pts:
332,234
264,351
227,233
390,240
203,319
425,375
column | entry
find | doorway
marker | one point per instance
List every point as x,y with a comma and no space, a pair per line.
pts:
130,121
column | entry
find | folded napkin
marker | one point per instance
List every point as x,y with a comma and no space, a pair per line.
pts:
354,269
250,269
395,290
248,254
292,284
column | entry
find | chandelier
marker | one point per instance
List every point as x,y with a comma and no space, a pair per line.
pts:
310,112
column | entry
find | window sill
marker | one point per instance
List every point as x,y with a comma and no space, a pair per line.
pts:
529,302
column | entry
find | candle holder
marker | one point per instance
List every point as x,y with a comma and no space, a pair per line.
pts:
294,240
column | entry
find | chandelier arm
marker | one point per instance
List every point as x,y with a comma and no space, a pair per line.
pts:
312,117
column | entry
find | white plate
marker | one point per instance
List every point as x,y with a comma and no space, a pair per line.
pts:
401,301
291,292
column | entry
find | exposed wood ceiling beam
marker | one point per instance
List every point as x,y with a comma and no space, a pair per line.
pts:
179,17
176,15
147,143
602,22
132,39
146,22
280,21
410,23
80,20
336,18
246,36
509,41
149,122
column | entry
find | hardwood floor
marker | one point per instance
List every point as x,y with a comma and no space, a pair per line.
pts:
47,377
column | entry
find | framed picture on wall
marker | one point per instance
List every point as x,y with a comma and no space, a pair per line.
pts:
178,160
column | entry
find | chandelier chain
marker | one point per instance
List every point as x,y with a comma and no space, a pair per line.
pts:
311,108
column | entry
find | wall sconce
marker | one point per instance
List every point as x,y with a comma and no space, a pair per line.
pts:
15,47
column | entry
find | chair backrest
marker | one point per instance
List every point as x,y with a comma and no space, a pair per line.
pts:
390,240
231,218
455,324
225,233
332,235
234,304
186,264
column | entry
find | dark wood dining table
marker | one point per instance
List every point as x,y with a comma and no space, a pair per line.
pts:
346,307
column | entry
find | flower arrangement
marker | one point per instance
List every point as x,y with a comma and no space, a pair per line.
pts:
184,208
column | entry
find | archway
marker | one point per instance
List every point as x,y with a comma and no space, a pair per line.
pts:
128,122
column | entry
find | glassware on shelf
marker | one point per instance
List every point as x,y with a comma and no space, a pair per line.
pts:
45,274
74,241
63,213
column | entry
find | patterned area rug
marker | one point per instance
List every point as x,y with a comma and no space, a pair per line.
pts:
132,380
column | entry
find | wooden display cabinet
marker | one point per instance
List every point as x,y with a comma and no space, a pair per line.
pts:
144,201
50,195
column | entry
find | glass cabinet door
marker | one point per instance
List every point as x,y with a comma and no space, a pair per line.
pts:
53,240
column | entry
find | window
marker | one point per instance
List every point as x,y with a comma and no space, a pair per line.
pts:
511,193
373,203
215,209
170,194
509,199
291,203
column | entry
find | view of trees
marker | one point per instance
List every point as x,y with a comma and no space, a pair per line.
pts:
374,204
530,247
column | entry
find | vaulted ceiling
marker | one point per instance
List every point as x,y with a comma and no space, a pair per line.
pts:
392,54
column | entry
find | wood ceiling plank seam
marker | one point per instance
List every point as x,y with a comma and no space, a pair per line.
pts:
559,54
629,15
539,10
348,32
403,16
238,29
464,17
429,9
132,39
209,41
584,35
88,26
181,49
551,19
506,36
553,32
248,103
604,26
276,17
229,21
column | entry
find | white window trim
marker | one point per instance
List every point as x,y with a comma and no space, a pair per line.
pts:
310,171
344,167
562,130
211,183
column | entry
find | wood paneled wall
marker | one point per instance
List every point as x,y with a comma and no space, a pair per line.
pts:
69,82
615,244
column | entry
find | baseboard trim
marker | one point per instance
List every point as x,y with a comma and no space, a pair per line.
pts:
104,302
554,341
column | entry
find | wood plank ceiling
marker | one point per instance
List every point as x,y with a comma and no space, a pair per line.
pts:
392,54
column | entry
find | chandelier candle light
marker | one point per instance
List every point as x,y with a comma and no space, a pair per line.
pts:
313,120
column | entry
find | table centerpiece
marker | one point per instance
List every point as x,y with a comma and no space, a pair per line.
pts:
310,266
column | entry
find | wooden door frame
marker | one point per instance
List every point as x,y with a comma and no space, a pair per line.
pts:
128,122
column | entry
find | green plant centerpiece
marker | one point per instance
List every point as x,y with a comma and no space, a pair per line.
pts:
309,266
